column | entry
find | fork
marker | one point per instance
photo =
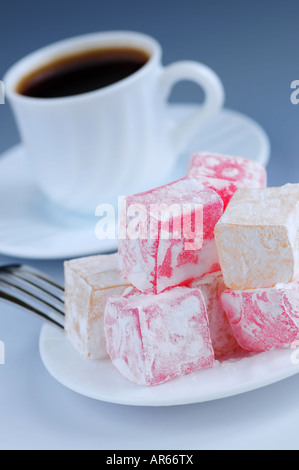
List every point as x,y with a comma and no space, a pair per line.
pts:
33,291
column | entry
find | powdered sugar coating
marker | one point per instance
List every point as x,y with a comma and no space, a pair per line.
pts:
155,264
257,237
264,319
211,286
152,339
225,173
89,282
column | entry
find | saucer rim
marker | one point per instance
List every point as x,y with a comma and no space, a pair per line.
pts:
108,246
99,380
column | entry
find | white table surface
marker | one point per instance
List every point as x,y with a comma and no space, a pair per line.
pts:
253,49
39,413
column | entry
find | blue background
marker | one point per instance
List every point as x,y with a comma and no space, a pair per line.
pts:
251,45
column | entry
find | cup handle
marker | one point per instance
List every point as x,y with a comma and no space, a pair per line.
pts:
213,102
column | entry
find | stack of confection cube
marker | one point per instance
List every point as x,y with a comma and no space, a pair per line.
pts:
258,245
155,306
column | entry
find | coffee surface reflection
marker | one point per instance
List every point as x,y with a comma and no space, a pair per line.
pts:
82,72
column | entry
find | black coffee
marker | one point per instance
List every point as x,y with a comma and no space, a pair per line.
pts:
82,72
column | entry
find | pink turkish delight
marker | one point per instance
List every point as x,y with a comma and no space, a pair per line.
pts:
223,340
152,339
169,255
225,174
264,318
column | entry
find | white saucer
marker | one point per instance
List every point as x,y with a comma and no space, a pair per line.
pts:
101,381
30,227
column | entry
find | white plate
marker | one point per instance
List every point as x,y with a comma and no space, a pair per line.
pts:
101,381
30,227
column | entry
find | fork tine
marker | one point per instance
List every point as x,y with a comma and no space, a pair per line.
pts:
49,315
23,268
36,278
32,286
9,282
33,290
42,276
35,272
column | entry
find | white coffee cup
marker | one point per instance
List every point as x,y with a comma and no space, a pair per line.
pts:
87,149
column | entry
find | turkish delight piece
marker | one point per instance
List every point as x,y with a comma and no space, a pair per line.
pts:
152,338
171,247
89,282
225,173
257,237
223,340
264,319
